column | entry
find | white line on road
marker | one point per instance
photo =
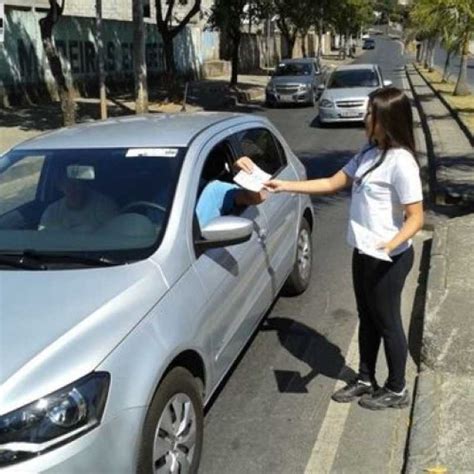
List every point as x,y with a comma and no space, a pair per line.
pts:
329,436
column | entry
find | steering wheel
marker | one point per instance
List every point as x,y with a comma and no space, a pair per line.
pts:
153,205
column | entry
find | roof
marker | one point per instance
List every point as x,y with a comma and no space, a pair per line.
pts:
349,67
150,130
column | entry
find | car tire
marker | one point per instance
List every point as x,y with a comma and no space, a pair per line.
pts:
178,398
300,276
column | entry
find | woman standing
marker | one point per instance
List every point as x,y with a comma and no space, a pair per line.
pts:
386,212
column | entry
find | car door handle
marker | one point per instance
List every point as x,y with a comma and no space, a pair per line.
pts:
262,234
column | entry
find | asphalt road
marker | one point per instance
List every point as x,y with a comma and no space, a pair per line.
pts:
267,415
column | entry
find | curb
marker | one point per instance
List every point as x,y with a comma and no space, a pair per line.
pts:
424,432
422,449
430,168
452,111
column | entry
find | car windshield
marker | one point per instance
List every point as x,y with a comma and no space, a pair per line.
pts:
353,78
293,69
94,203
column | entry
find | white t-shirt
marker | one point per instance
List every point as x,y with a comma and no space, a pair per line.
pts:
97,210
377,202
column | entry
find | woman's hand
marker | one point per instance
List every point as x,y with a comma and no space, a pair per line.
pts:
386,247
276,186
244,164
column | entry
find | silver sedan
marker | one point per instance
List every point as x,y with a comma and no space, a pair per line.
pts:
345,95
120,311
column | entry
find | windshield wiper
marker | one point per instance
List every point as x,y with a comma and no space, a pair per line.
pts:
16,262
60,257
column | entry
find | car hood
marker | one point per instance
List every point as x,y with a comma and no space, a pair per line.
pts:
58,325
351,93
287,80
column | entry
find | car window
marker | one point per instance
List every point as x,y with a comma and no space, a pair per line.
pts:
353,78
261,146
19,182
293,69
216,189
114,202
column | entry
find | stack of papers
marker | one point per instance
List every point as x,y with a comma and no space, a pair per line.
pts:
254,181
367,242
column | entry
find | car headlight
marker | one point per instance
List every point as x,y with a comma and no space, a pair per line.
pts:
54,419
326,103
306,87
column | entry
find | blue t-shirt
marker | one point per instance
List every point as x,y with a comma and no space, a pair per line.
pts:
216,199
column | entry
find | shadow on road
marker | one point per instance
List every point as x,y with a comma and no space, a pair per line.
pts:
322,356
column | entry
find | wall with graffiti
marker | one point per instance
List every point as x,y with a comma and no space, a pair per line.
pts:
23,64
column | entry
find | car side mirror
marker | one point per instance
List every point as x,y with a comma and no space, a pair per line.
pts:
387,83
224,231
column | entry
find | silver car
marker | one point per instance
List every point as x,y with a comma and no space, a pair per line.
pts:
295,81
345,95
120,315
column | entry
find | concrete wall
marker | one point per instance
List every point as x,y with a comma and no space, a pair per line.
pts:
24,68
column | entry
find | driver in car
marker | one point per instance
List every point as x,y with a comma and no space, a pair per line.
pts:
219,197
80,210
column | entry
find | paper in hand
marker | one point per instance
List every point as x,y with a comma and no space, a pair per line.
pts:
252,181
367,241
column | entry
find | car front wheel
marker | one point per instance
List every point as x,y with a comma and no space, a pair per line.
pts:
300,276
173,430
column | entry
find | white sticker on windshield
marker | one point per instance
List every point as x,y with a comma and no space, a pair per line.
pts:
152,152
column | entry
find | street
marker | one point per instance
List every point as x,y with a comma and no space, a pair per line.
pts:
271,409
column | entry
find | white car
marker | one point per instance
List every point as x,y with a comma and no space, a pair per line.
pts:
345,95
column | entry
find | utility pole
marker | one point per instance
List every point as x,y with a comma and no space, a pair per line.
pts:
100,60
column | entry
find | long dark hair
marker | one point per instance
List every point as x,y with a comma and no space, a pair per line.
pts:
391,109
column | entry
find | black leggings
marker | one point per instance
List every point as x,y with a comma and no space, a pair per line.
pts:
378,287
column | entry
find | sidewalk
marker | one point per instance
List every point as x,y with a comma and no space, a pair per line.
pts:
442,432
450,152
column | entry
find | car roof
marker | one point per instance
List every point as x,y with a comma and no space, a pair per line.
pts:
351,67
148,130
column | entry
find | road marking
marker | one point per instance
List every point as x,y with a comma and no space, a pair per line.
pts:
325,448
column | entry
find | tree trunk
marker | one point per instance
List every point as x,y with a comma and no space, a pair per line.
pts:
66,96
139,60
100,61
290,42
169,56
303,45
446,66
426,53
431,55
235,59
462,86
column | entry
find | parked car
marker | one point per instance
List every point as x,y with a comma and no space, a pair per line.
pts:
369,43
345,95
118,324
295,81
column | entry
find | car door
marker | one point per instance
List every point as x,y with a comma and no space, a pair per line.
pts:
281,210
235,278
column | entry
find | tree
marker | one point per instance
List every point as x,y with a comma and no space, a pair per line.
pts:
65,91
289,15
466,27
169,32
139,60
431,19
100,60
227,15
